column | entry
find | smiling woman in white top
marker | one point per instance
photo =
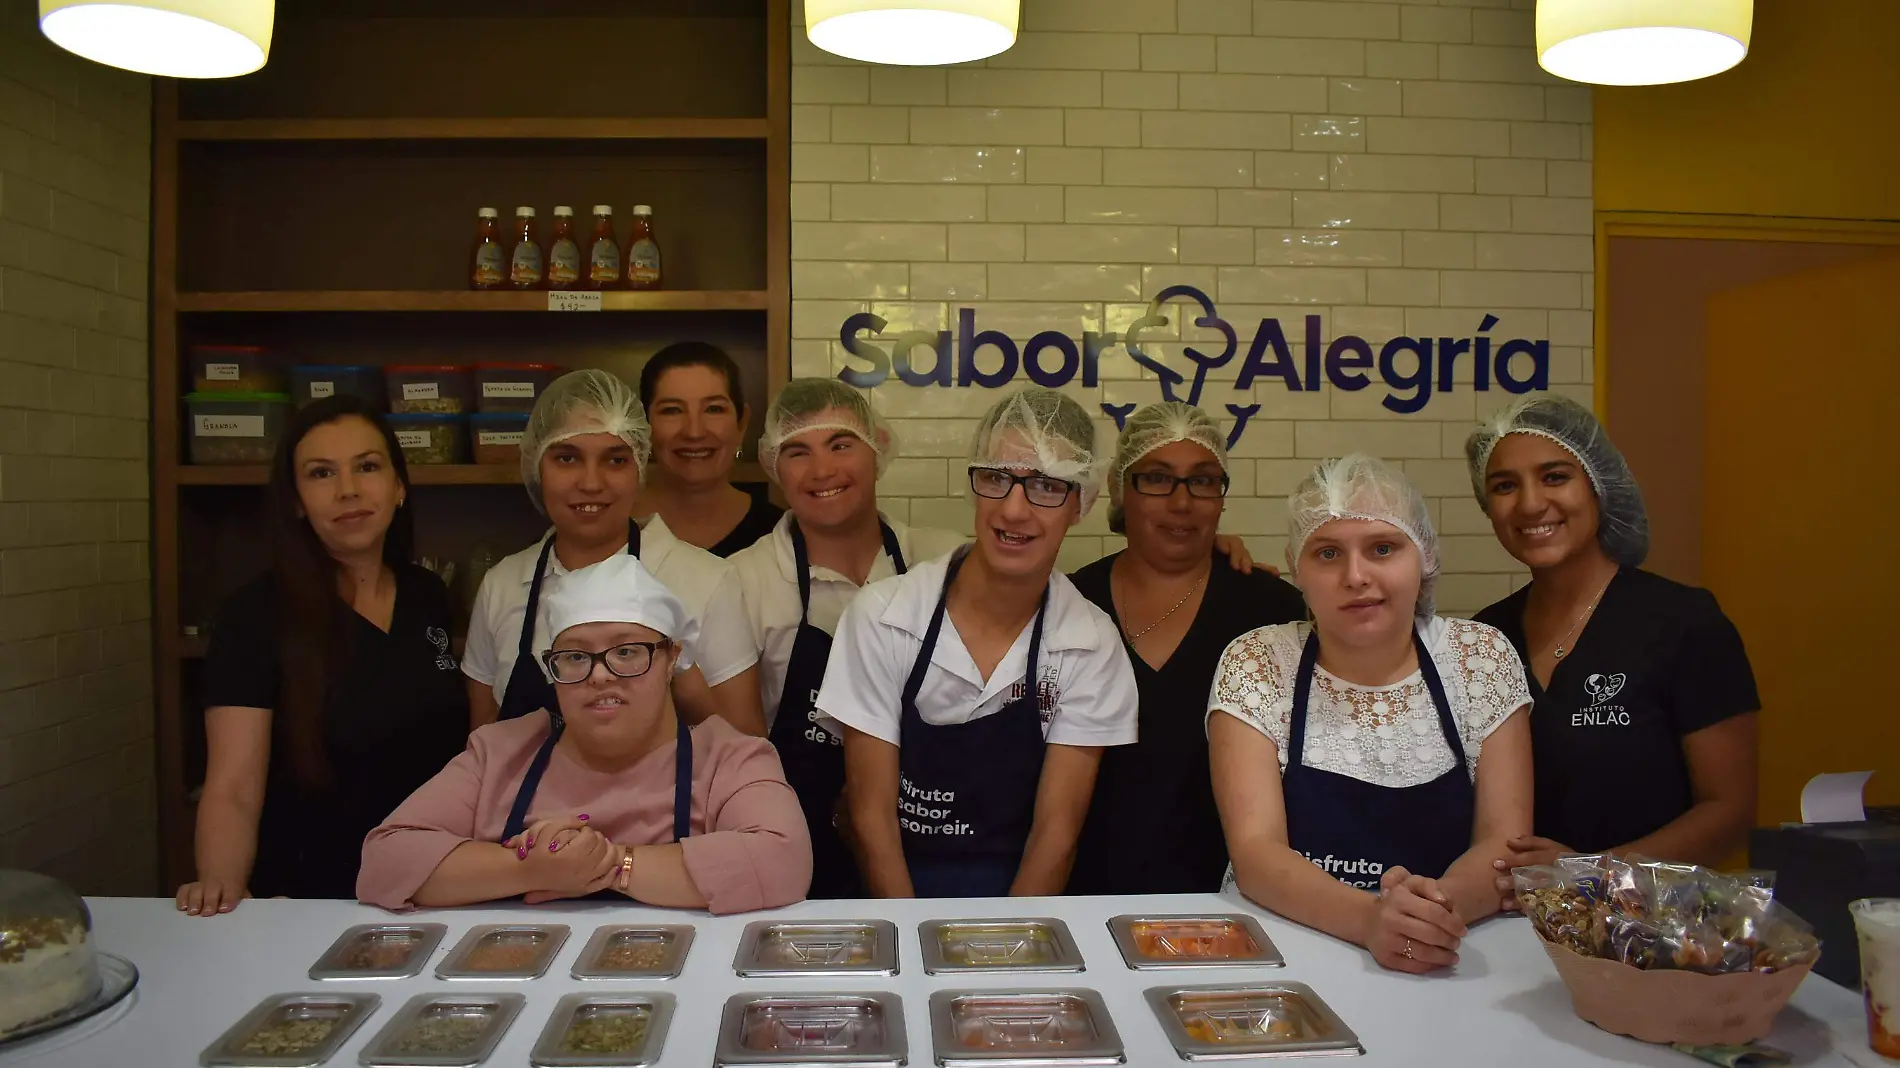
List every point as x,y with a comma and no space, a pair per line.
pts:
581,458
1371,766
975,692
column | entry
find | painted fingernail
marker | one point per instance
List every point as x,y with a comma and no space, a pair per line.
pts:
583,815
522,853
553,846
531,841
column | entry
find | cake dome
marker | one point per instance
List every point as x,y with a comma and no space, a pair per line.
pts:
47,961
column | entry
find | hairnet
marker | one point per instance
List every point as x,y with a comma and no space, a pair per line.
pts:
1148,429
827,404
1040,429
582,402
618,589
1358,486
1622,521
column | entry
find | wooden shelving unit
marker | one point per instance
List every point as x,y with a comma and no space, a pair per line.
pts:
323,207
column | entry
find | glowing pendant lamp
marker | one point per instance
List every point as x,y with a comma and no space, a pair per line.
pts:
912,33
174,38
1641,42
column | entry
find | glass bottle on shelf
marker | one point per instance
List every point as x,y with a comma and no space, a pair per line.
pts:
488,261
525,262
643,252
564,253
603,252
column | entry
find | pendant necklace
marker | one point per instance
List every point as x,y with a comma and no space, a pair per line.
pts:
1561,649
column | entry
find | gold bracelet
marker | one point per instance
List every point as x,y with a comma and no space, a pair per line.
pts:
626,870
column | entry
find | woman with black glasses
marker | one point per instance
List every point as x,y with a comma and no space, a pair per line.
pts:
1153,827
976,692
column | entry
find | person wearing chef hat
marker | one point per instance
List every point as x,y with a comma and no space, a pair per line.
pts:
606,793
975,692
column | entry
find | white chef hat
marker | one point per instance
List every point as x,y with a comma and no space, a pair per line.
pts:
619,589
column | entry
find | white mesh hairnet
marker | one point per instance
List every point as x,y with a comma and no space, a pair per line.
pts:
1622,522
1148,429
582,402
1358,486
827,404
1040,429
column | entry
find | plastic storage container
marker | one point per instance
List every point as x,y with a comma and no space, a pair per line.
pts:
497,436
235,369
429,437
442,390
236,428
511,387
315,382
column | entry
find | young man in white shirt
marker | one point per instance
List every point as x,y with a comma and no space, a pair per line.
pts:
975,692
825,448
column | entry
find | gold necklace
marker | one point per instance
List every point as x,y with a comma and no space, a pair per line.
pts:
1133,638
1559,652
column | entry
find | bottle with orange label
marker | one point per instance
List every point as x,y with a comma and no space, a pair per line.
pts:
643,252
525,261
603,252
487,261
564,253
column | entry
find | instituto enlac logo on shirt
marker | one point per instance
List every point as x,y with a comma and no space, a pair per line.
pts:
1601,690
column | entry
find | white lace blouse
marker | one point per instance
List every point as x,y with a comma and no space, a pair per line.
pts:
1385,735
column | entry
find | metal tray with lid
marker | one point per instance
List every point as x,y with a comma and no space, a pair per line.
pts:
634,951
1032,944
443,1031
624,1030
380,951
775,949
1226,1022
984,1028
862,1030
504,951
290,1031
1231,940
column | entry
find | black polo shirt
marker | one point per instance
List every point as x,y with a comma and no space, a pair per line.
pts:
1657,661
1152,827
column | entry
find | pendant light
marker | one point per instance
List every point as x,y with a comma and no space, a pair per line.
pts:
1641,42
912,33
174,38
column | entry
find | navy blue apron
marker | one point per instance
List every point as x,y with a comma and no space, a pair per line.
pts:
813,757
528,689
967,791
1355,831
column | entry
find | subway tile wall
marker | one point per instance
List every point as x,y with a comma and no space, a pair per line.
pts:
1398,169
77,797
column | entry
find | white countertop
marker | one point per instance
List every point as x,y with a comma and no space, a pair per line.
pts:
1503,1005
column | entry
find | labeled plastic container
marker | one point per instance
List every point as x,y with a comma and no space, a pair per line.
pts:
497,436
235,428
314,382
445,389
511,387
235,369
429,437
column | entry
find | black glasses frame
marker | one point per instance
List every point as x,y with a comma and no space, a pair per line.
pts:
599,659
1029,494
1175,482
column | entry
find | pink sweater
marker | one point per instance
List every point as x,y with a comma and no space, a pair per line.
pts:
749,848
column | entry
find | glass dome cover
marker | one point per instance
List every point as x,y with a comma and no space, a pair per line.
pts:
47,960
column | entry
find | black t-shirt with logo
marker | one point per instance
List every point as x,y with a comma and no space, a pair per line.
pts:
1658,661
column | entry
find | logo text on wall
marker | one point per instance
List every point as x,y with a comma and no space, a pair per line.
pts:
1412,368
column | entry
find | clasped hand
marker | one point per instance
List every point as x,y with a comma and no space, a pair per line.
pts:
566,858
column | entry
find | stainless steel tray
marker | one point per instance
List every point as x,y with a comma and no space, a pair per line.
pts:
1225,1022
653,1011
864,1030
428,1016
1025,944
380,951
504,940
775,949
634,951
344,1013
1226,940
984,1028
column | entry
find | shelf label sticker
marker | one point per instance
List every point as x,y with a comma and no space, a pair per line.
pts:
413,439
222,372
573,302
320,390
499,437
229,426
421,391
508,390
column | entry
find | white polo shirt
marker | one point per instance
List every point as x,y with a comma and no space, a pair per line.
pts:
707,586
769,578
1087,686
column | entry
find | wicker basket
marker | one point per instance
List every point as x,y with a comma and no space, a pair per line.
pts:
1668,1006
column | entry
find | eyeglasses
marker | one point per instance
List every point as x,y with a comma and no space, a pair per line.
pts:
629,661
1040,490
1162,484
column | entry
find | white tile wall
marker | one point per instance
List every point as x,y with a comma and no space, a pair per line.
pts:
76,720
1393,167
